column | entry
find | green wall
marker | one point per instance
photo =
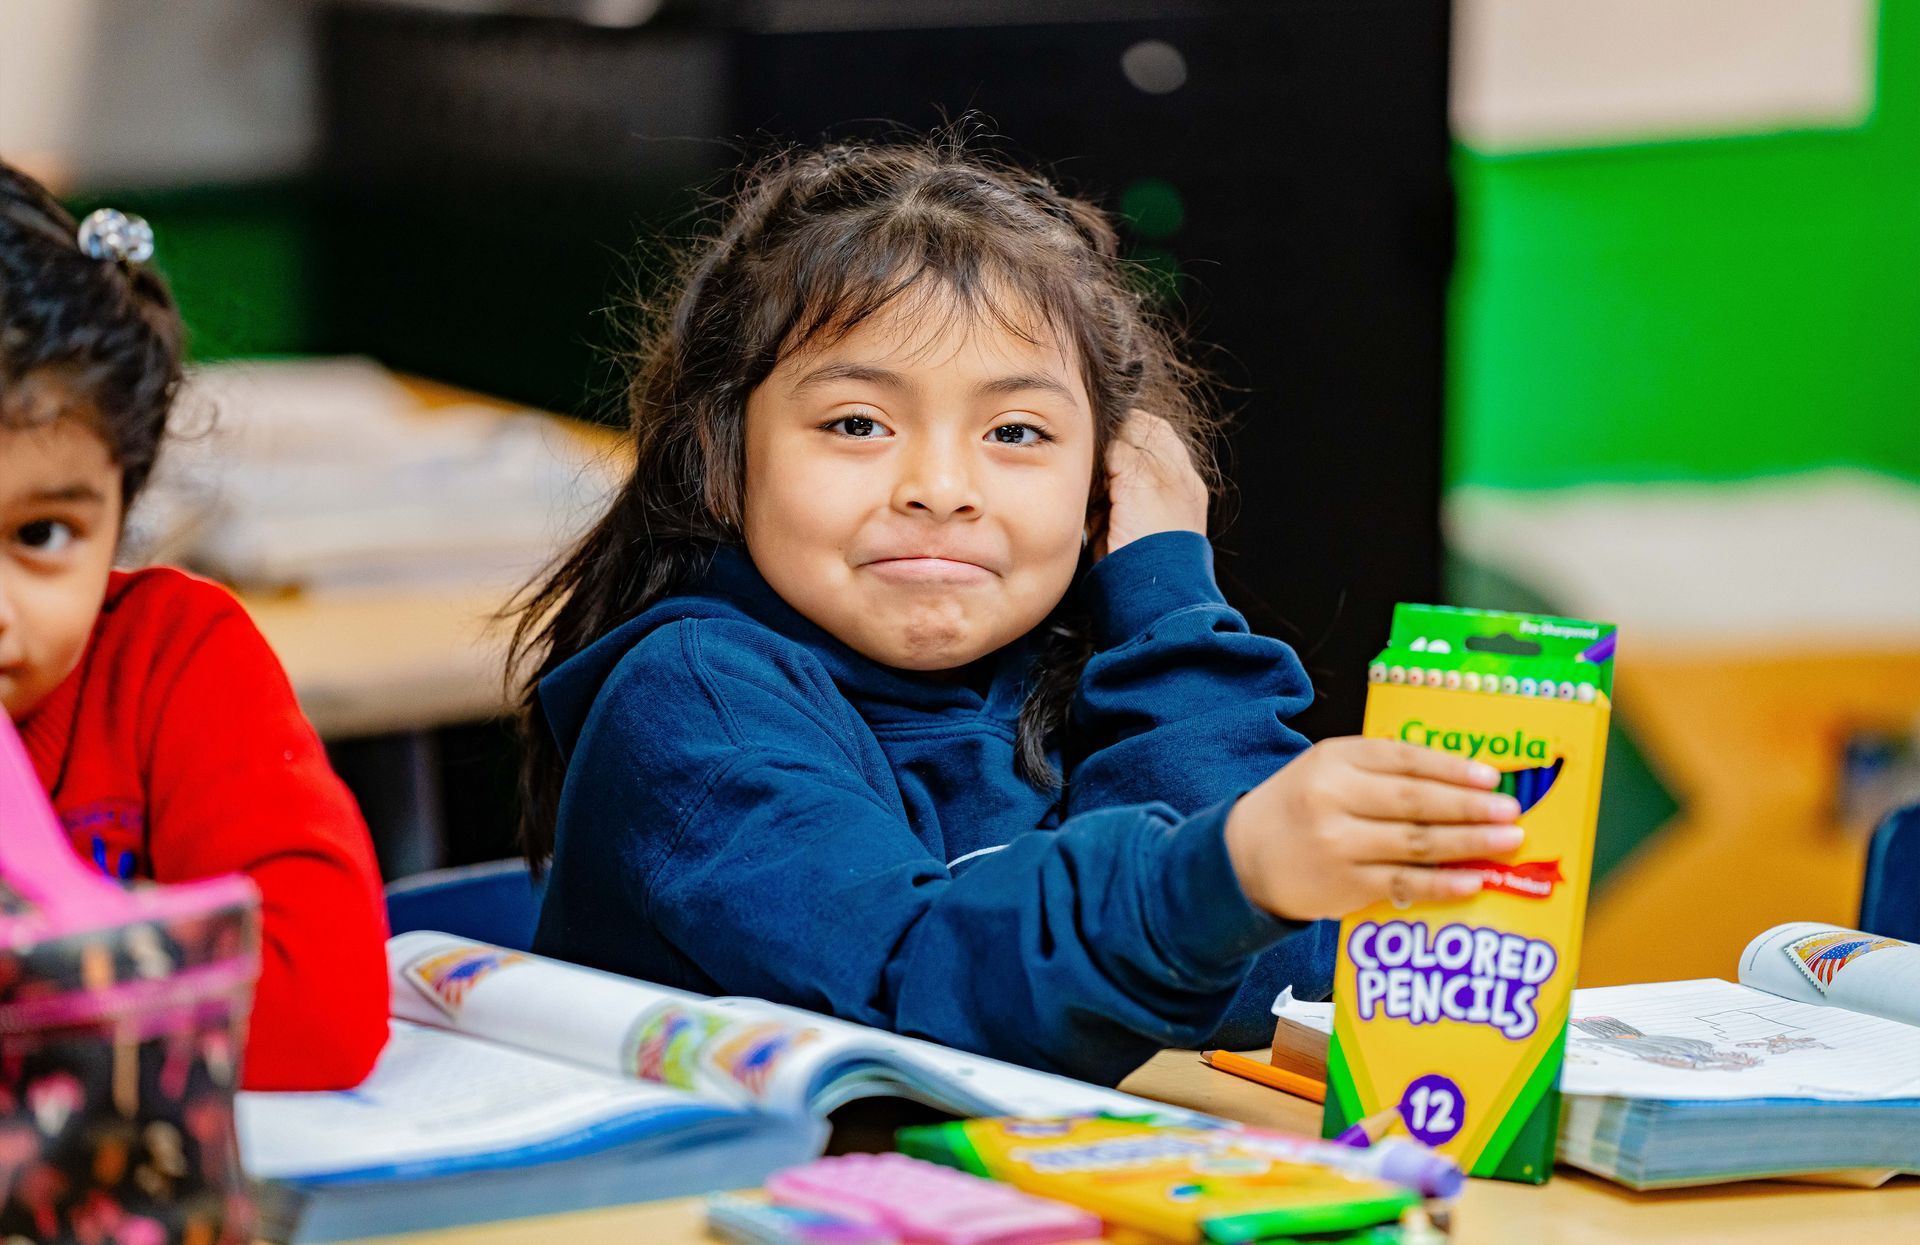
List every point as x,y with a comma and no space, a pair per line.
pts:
237,258
1703,310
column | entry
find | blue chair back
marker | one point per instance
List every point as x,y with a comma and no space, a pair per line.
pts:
1890,900
496,902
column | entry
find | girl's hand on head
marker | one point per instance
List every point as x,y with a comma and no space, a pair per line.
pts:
1354,821
1152,485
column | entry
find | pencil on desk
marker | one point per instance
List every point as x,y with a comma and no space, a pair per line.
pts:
1265,1074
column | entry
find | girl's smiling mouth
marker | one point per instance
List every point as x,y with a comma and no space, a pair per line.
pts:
916,569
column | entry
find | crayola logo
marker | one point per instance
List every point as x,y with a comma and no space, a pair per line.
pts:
1519,744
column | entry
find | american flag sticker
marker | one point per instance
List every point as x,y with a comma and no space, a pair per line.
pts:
445,977
1821,956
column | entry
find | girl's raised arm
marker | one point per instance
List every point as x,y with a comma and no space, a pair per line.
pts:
1180,701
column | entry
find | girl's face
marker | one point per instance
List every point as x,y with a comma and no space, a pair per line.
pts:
919,488
59,523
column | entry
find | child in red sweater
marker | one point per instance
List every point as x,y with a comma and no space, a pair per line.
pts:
163,728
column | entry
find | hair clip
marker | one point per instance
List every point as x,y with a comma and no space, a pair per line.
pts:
114,235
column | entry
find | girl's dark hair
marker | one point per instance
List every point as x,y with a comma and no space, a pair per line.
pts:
814,243
92,338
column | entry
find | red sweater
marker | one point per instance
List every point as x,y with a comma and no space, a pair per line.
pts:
175,751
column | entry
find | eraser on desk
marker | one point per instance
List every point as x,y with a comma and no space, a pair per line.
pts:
928,1204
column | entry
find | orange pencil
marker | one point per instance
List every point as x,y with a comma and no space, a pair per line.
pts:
1266,1074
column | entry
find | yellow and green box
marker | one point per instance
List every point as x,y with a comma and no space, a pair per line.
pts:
1450,1019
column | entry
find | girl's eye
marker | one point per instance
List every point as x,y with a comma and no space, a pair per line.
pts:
45,536
858,426
1019,434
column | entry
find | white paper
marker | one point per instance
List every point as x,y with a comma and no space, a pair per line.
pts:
433,1096
1837,967
1315,1016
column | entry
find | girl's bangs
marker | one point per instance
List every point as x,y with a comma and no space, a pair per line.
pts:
935,289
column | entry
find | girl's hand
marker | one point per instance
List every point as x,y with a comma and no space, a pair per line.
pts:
1354,821
1152,485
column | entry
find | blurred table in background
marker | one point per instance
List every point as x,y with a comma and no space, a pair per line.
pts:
391,661
380,670
404,658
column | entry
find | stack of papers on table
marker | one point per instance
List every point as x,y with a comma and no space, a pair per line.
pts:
1693,1082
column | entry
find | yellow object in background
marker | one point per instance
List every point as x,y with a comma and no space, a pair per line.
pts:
1454,1015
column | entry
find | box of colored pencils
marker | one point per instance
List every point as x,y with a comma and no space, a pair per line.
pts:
1450,1019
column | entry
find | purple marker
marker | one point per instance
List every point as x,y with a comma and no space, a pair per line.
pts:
1601,650
1407,1163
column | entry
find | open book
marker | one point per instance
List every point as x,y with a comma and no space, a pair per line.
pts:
1811,1064
516,1085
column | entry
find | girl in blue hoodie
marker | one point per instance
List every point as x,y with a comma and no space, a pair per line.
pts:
895,682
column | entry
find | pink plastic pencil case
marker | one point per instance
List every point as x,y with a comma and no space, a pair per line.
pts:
122,1016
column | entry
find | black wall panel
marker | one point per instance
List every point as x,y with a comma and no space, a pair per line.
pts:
488,179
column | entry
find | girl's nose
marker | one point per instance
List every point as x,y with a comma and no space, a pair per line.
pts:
936,480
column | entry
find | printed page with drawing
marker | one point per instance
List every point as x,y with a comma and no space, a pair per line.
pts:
1706,1040
738,1051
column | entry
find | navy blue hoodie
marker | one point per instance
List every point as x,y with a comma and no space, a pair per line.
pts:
750,807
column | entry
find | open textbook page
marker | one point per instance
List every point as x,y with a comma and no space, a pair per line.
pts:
1817,963
451,1130
1714,1040
742,1051
444,1103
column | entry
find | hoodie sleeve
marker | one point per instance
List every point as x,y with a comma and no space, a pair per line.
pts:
1180,702
747,828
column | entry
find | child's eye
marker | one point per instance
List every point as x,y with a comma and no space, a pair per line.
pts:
859,426
46,536
1020,434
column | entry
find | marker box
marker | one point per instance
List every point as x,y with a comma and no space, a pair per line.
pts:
1450,1019
1179,1182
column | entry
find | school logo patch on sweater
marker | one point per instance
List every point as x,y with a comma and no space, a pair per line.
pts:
112,834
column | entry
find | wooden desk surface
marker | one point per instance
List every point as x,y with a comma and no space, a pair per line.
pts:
1571,1209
